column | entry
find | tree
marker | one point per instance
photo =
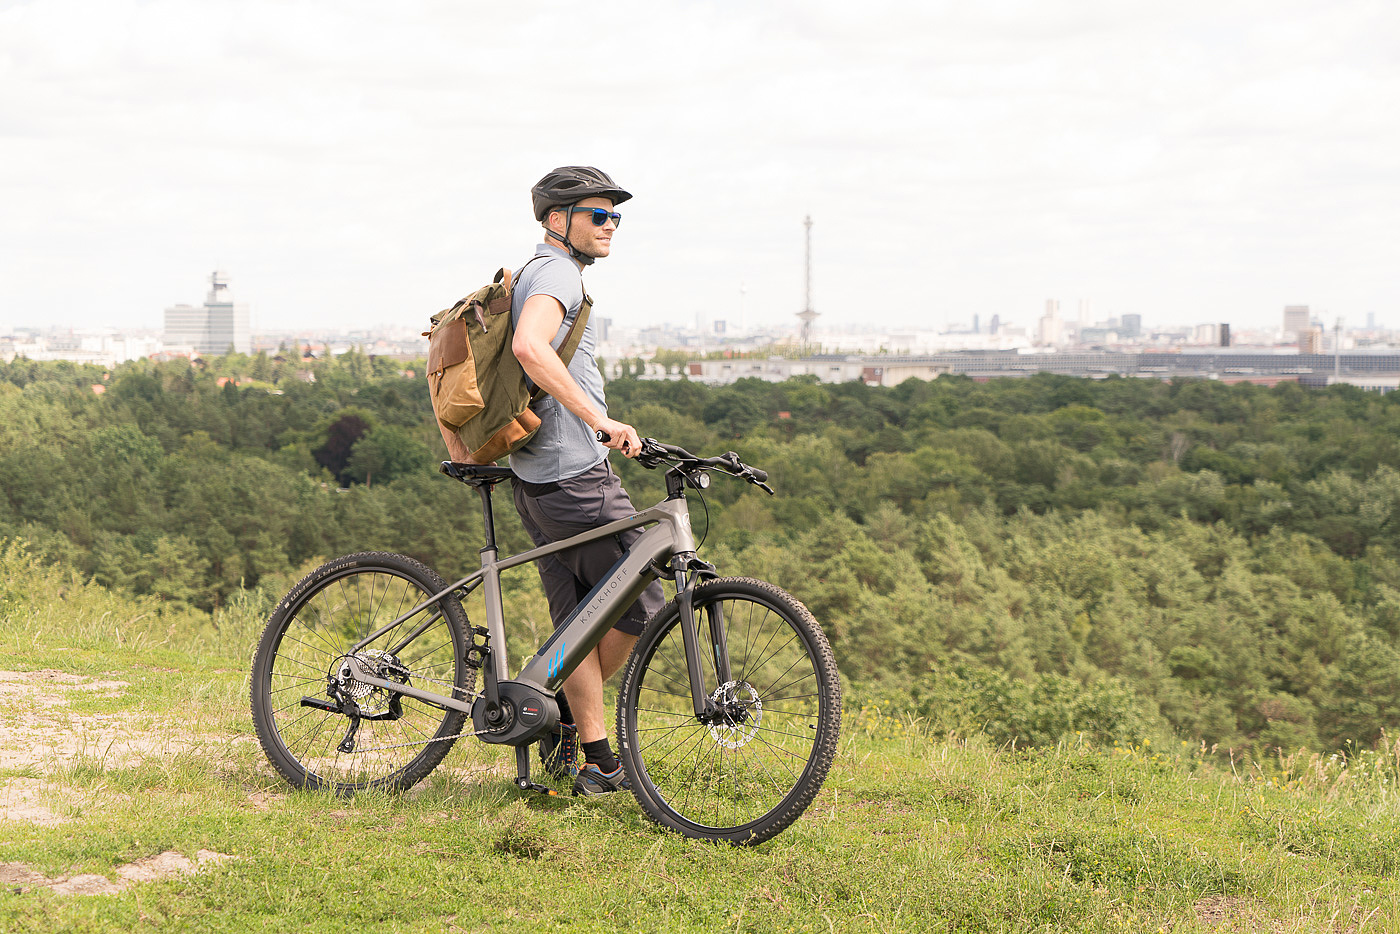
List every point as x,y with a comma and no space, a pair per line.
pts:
384,453
341,437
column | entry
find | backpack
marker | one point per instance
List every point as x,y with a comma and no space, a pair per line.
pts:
478,388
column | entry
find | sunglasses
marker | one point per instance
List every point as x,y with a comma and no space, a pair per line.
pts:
600,216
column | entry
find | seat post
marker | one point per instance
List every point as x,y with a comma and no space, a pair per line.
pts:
487,520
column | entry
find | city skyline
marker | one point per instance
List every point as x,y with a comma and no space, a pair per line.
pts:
1206,162
221,322
1086,317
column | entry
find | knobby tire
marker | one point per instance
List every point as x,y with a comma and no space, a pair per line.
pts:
306,640
749,777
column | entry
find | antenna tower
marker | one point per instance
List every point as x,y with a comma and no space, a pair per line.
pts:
807,315
1337,351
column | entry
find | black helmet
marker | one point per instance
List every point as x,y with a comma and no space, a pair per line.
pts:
570,184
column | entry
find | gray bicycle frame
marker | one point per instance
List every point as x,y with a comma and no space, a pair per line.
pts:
571,641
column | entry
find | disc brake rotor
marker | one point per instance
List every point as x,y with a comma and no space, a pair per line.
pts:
740,713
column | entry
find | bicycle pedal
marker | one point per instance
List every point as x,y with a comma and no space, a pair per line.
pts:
524,784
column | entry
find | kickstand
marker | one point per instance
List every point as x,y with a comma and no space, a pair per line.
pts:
522,778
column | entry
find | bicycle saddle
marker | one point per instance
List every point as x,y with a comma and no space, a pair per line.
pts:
475,474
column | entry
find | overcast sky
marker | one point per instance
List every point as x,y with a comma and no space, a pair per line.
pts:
366,163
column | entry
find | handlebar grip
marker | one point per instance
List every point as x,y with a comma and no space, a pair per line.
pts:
602,436
760,475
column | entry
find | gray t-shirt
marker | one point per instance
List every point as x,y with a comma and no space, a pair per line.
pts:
564,446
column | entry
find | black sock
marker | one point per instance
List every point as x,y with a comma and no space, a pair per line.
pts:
565,714
600,754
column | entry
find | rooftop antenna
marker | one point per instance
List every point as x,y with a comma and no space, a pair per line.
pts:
807,315
1337,351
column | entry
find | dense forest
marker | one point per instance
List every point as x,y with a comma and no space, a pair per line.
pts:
1029,557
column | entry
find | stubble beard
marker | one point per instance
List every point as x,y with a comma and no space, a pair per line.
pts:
590,246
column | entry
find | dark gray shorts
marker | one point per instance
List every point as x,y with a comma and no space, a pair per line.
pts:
554,511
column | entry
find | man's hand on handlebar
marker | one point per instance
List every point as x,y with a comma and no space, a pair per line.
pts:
619,436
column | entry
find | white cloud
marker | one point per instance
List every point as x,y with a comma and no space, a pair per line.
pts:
361,162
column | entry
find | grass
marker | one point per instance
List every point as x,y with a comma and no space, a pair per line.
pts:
911,832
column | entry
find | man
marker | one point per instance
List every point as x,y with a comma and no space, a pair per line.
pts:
564,483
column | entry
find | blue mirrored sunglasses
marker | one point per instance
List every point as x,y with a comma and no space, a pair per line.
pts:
600,216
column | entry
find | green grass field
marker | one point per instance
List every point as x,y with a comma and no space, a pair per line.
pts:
127,735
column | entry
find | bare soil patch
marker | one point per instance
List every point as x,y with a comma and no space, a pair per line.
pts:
44,732
1235,914
22,799
167,865
47,686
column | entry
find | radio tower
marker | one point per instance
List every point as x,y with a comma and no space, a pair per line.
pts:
807,315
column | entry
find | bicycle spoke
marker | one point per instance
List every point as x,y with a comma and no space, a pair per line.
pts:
333,609
769,738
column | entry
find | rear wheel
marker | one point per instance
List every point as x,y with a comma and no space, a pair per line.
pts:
353,735
752,766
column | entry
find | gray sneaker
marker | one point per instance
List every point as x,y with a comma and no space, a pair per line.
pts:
559,751
594,781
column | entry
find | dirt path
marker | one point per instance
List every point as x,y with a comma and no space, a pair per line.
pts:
40,734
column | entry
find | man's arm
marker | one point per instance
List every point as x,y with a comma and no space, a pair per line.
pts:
539,323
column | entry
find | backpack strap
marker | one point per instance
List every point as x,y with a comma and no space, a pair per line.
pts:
574,337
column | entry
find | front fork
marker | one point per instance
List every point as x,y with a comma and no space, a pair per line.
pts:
689,571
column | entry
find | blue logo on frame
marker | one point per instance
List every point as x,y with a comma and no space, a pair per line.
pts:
557,660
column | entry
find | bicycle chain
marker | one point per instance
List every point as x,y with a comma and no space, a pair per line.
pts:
422,742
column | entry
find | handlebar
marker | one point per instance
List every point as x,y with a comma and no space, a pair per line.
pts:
654,453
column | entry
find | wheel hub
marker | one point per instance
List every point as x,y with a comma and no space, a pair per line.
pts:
738,713
348,671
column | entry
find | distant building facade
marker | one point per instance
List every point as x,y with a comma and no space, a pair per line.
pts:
1050,330
1369,370
1296,319
214,327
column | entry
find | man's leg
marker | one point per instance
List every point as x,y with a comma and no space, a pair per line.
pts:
587,501
614,650
559,749
585,685
585,690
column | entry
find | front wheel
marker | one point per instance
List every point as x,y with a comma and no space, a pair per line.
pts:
754,762
360,617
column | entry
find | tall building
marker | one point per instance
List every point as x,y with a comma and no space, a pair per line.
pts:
1224,334
1051,329
1296,319
1131,326
1310,340
213,328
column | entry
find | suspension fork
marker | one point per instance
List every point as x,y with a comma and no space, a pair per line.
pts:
688,574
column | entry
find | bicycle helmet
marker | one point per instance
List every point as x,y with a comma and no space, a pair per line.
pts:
569,185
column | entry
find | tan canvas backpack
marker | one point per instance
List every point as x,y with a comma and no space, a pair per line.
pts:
478,388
